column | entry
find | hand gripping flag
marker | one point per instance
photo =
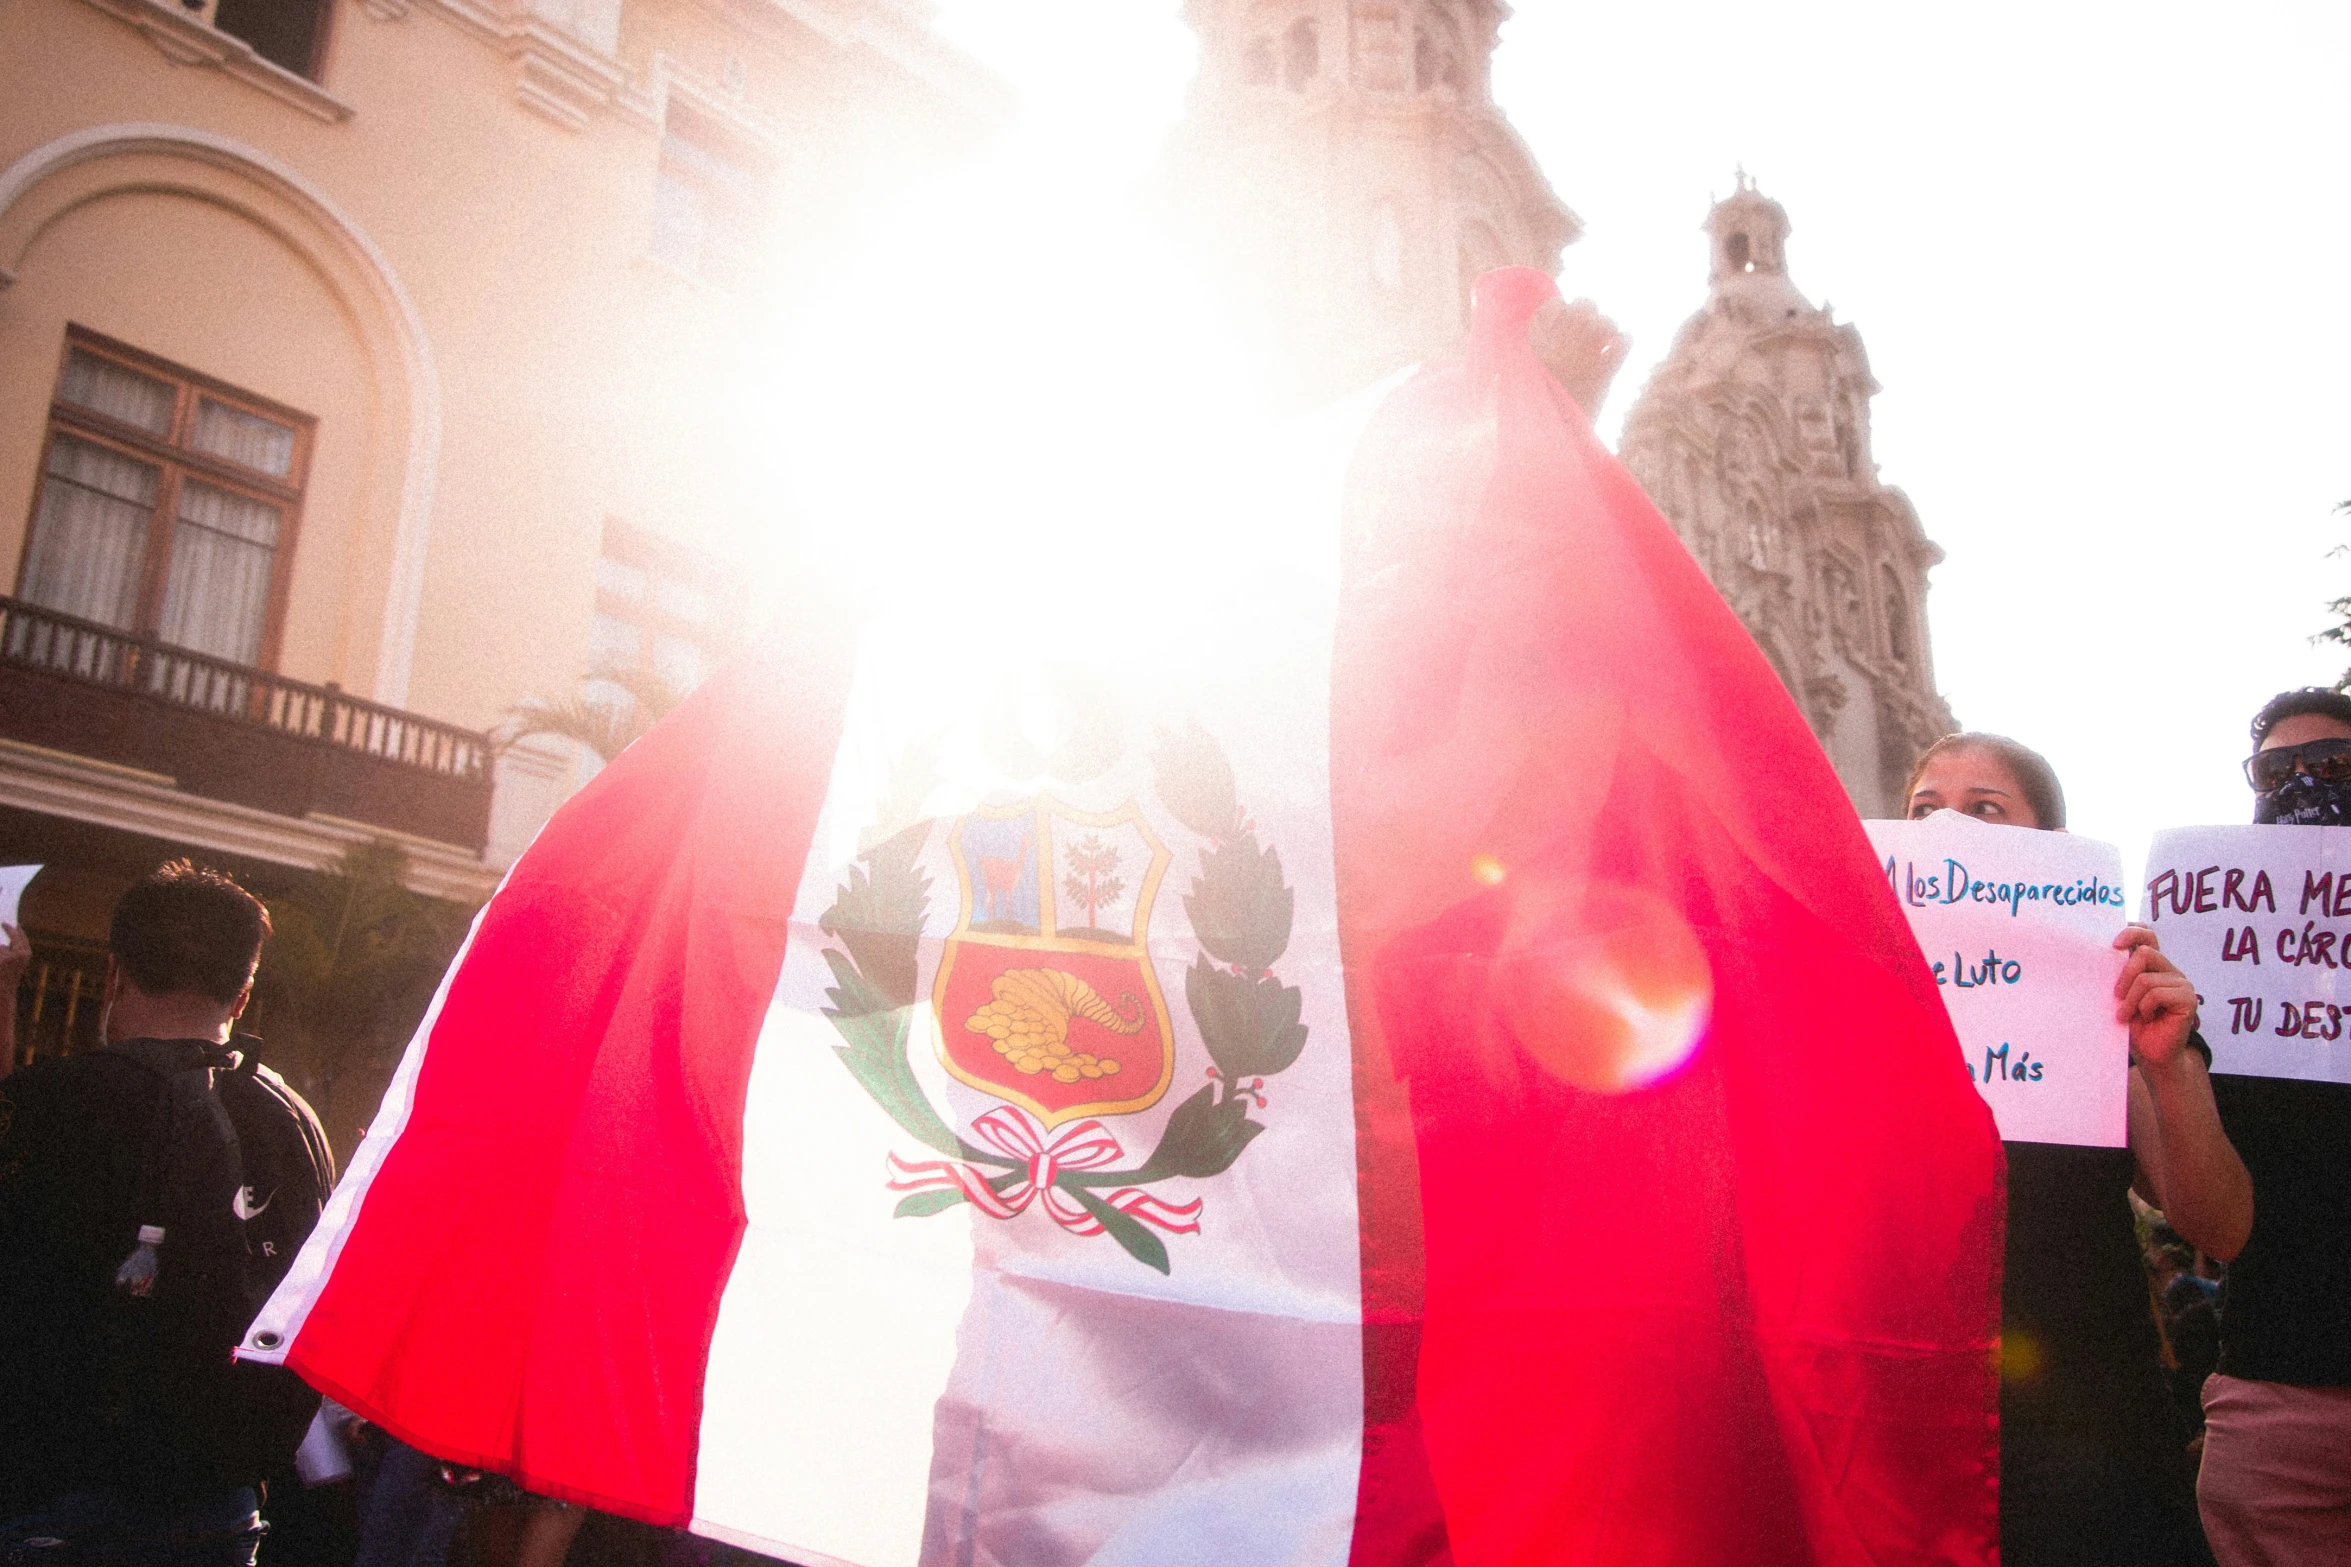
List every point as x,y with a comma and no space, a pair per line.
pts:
1411,1062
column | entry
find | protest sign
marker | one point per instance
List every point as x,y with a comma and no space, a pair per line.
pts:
13,881
2260,919
2018,927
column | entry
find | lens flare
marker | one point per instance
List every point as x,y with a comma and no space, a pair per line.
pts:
1606,987
1487,870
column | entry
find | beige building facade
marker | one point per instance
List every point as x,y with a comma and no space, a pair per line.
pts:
1346,165
363,373
1753,438
370,367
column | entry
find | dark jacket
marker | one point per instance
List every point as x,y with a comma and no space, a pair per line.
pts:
99,1388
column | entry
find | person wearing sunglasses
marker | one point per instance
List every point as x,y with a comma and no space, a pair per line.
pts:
2300,768
2093,1462
2276,1483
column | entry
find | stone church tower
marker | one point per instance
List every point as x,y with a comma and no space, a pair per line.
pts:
1344,166
1753,438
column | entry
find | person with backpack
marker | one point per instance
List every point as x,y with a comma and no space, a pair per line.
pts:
152,1193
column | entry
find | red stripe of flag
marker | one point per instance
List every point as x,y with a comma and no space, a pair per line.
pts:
532,1281
1743,1314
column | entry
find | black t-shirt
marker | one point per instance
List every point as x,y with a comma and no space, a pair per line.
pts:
2285,1312
2092,1466
99,1388
2080,1342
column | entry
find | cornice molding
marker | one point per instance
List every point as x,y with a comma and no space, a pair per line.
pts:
52,783
560,77
568,78
185,40
556,73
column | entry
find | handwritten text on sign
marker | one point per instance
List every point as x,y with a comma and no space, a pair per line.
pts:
2260,919
2018,927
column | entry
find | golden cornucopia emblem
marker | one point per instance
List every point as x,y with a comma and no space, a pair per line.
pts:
1028,1018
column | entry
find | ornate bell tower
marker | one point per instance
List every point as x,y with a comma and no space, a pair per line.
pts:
1753,438
1343,166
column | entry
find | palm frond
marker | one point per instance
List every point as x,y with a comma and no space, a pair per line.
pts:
607,721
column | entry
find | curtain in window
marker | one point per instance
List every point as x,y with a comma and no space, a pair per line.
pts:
249,440
89,536
218,592
102,386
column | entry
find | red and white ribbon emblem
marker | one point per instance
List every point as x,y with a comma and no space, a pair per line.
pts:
1085,1146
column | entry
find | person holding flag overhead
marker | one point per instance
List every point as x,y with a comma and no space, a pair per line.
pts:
963,1092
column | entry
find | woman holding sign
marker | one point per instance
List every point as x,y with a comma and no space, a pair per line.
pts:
2092,1464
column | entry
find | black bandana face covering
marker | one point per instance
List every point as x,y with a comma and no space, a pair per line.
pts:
2304,801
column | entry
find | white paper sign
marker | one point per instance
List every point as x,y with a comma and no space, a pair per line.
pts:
13,881
2018,927
2260,919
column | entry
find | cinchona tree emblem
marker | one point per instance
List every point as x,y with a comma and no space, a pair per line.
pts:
1047,998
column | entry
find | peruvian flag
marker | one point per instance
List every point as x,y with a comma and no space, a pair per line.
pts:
1404,1058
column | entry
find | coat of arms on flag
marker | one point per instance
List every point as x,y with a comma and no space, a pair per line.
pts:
1046,998
1027,1282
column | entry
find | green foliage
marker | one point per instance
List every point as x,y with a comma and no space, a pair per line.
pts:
2340,632
878,914
1203,1138
1131,1233
921,1205
354,963
597,720
1250,1026
1239,905
873,1048
1090,883
1196,782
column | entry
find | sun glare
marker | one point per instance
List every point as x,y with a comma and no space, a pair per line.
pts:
1010,397
1605,985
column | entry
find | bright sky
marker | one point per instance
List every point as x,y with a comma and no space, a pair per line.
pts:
2097,254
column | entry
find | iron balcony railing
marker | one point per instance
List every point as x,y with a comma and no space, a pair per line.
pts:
49,656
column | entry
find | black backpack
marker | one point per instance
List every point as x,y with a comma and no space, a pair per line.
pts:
232,1135
287,1165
